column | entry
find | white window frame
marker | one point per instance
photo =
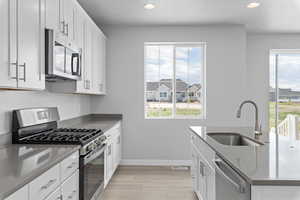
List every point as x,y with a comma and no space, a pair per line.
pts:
203,83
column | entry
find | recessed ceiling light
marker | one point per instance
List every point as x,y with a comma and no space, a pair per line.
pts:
254,4
149,6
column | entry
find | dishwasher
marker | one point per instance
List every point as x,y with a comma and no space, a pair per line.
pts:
229,184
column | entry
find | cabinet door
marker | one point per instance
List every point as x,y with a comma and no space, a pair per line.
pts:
87,58
22,193
31,23
69,14
52,15
117,151
80,84
7,39
70,188
108,162
194,169
98,61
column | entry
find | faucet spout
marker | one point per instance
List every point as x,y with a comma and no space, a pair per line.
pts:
257,126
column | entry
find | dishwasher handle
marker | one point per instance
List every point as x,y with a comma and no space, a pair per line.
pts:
241,186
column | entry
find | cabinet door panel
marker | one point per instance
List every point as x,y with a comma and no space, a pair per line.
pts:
31,23
70,188
8,44
52,15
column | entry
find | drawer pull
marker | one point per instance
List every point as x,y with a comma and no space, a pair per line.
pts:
44,187
72,195
72,165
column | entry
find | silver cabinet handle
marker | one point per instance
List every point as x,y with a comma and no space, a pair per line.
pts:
72,165
16,65
72,195
44,187
241,186
62,27
24,71
67,29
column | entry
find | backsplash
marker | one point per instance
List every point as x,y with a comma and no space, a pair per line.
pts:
69,105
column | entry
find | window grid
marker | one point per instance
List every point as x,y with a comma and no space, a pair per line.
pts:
174,115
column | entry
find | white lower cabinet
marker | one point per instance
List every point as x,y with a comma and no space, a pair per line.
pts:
203,173
54,184
112,154
70,188
21,194
45,184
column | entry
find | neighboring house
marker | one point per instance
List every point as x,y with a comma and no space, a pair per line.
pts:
285,95
163,91
195,92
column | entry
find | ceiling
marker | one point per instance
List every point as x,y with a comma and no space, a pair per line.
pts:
280,16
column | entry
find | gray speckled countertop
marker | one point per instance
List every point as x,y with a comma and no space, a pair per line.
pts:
20,164
258,165
98,121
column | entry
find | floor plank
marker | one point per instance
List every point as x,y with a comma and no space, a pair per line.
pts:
150,183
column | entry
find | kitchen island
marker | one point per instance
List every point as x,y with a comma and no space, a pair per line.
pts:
270,176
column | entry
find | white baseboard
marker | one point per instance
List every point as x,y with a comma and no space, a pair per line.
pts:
136,162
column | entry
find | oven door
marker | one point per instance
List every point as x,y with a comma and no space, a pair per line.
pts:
92,175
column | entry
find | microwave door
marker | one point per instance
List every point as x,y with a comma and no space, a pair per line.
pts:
59,60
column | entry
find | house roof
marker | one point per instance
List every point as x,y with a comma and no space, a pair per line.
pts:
181,86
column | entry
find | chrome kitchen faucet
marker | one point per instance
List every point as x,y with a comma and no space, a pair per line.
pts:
257,131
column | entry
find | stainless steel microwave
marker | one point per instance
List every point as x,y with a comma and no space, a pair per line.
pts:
62,62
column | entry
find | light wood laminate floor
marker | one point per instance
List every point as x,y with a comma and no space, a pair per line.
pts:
150,183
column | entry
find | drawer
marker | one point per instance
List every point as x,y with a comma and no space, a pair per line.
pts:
44,184
56,195
69,166
70,188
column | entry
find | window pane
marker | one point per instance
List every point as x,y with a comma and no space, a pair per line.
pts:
289,95
158,75
189,63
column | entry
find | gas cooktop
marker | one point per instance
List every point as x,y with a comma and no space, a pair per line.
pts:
63,136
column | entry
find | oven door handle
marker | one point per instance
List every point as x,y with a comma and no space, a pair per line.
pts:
91,156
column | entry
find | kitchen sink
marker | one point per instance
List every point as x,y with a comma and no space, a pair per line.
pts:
234,139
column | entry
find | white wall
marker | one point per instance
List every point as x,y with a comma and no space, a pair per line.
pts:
69,105
168,139
258,50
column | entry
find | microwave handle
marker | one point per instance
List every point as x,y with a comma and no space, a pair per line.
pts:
78,65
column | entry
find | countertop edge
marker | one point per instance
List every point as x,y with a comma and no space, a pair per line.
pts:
39,172
253,182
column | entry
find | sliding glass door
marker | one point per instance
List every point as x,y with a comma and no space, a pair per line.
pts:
284,95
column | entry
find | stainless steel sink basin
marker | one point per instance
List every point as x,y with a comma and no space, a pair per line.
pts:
234,139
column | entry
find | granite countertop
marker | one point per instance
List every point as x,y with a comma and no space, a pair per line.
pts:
258,165
20,164
97,121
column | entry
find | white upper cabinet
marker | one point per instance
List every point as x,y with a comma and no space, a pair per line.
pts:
31,45
7,61
98,61
22,44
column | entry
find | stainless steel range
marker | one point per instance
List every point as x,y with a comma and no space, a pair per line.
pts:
40,126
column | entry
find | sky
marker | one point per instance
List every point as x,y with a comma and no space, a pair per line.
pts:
288,71
159,63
